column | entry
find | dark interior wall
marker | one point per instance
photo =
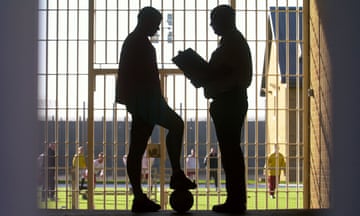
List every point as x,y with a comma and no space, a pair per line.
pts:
342,32
18,96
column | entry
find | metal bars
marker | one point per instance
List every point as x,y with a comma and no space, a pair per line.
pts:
79,47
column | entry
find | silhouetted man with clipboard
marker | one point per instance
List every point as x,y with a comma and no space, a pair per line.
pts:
225,80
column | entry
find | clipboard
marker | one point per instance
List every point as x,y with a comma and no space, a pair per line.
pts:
193,66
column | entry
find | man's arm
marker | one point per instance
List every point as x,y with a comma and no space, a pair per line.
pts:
205,159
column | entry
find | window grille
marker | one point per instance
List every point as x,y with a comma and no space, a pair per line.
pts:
79,46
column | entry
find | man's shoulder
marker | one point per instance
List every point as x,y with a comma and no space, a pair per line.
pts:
235,41
272,155
234,35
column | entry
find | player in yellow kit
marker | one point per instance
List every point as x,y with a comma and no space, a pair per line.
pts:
79,161
274,164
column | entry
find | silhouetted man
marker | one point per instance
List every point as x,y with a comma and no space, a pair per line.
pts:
138,87
225,80
229,77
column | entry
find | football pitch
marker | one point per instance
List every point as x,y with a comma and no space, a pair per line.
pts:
109,198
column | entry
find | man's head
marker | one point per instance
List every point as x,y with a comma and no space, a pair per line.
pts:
276,148
192,151
149,20
52,146
80,150
101,157
222,19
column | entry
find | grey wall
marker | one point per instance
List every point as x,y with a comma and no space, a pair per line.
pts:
342,29
18,118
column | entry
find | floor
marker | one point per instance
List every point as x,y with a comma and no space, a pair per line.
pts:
312,212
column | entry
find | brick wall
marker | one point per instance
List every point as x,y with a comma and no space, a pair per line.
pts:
320,119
